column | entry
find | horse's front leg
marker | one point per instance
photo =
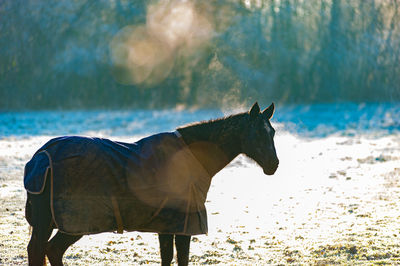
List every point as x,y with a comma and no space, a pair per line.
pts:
166,248
182,244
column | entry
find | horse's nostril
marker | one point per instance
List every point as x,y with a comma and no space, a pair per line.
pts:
275,162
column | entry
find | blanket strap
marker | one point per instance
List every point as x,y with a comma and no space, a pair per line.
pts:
117,214
176,132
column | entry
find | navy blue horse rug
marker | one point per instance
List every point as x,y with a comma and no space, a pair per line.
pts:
99,185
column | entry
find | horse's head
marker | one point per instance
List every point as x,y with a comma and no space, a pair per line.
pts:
258,139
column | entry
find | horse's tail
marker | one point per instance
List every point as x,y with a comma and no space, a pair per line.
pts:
28,210
36,179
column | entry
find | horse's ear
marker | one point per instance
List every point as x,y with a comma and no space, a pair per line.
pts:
269,112
255,110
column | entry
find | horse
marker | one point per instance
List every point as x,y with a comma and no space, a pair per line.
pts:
202,149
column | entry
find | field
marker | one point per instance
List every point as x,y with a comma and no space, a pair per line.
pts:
333,200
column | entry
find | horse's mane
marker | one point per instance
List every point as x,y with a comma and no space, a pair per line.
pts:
230,119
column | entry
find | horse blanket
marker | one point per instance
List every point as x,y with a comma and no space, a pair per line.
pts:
98,185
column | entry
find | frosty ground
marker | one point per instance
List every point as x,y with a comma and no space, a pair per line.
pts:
334,199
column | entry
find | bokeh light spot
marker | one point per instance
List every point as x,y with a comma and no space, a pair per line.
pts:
145,54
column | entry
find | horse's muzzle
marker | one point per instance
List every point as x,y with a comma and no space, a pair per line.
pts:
270,170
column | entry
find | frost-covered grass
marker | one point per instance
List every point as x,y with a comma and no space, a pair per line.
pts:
333,200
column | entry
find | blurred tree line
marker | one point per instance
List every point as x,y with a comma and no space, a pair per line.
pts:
56,54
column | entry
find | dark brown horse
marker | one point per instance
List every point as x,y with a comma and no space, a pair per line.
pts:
213,144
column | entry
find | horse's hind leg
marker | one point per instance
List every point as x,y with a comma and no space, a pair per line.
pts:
58,245
37,246
166,248
182,244
38,214
42,228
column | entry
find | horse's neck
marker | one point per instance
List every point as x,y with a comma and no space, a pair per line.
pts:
215,144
